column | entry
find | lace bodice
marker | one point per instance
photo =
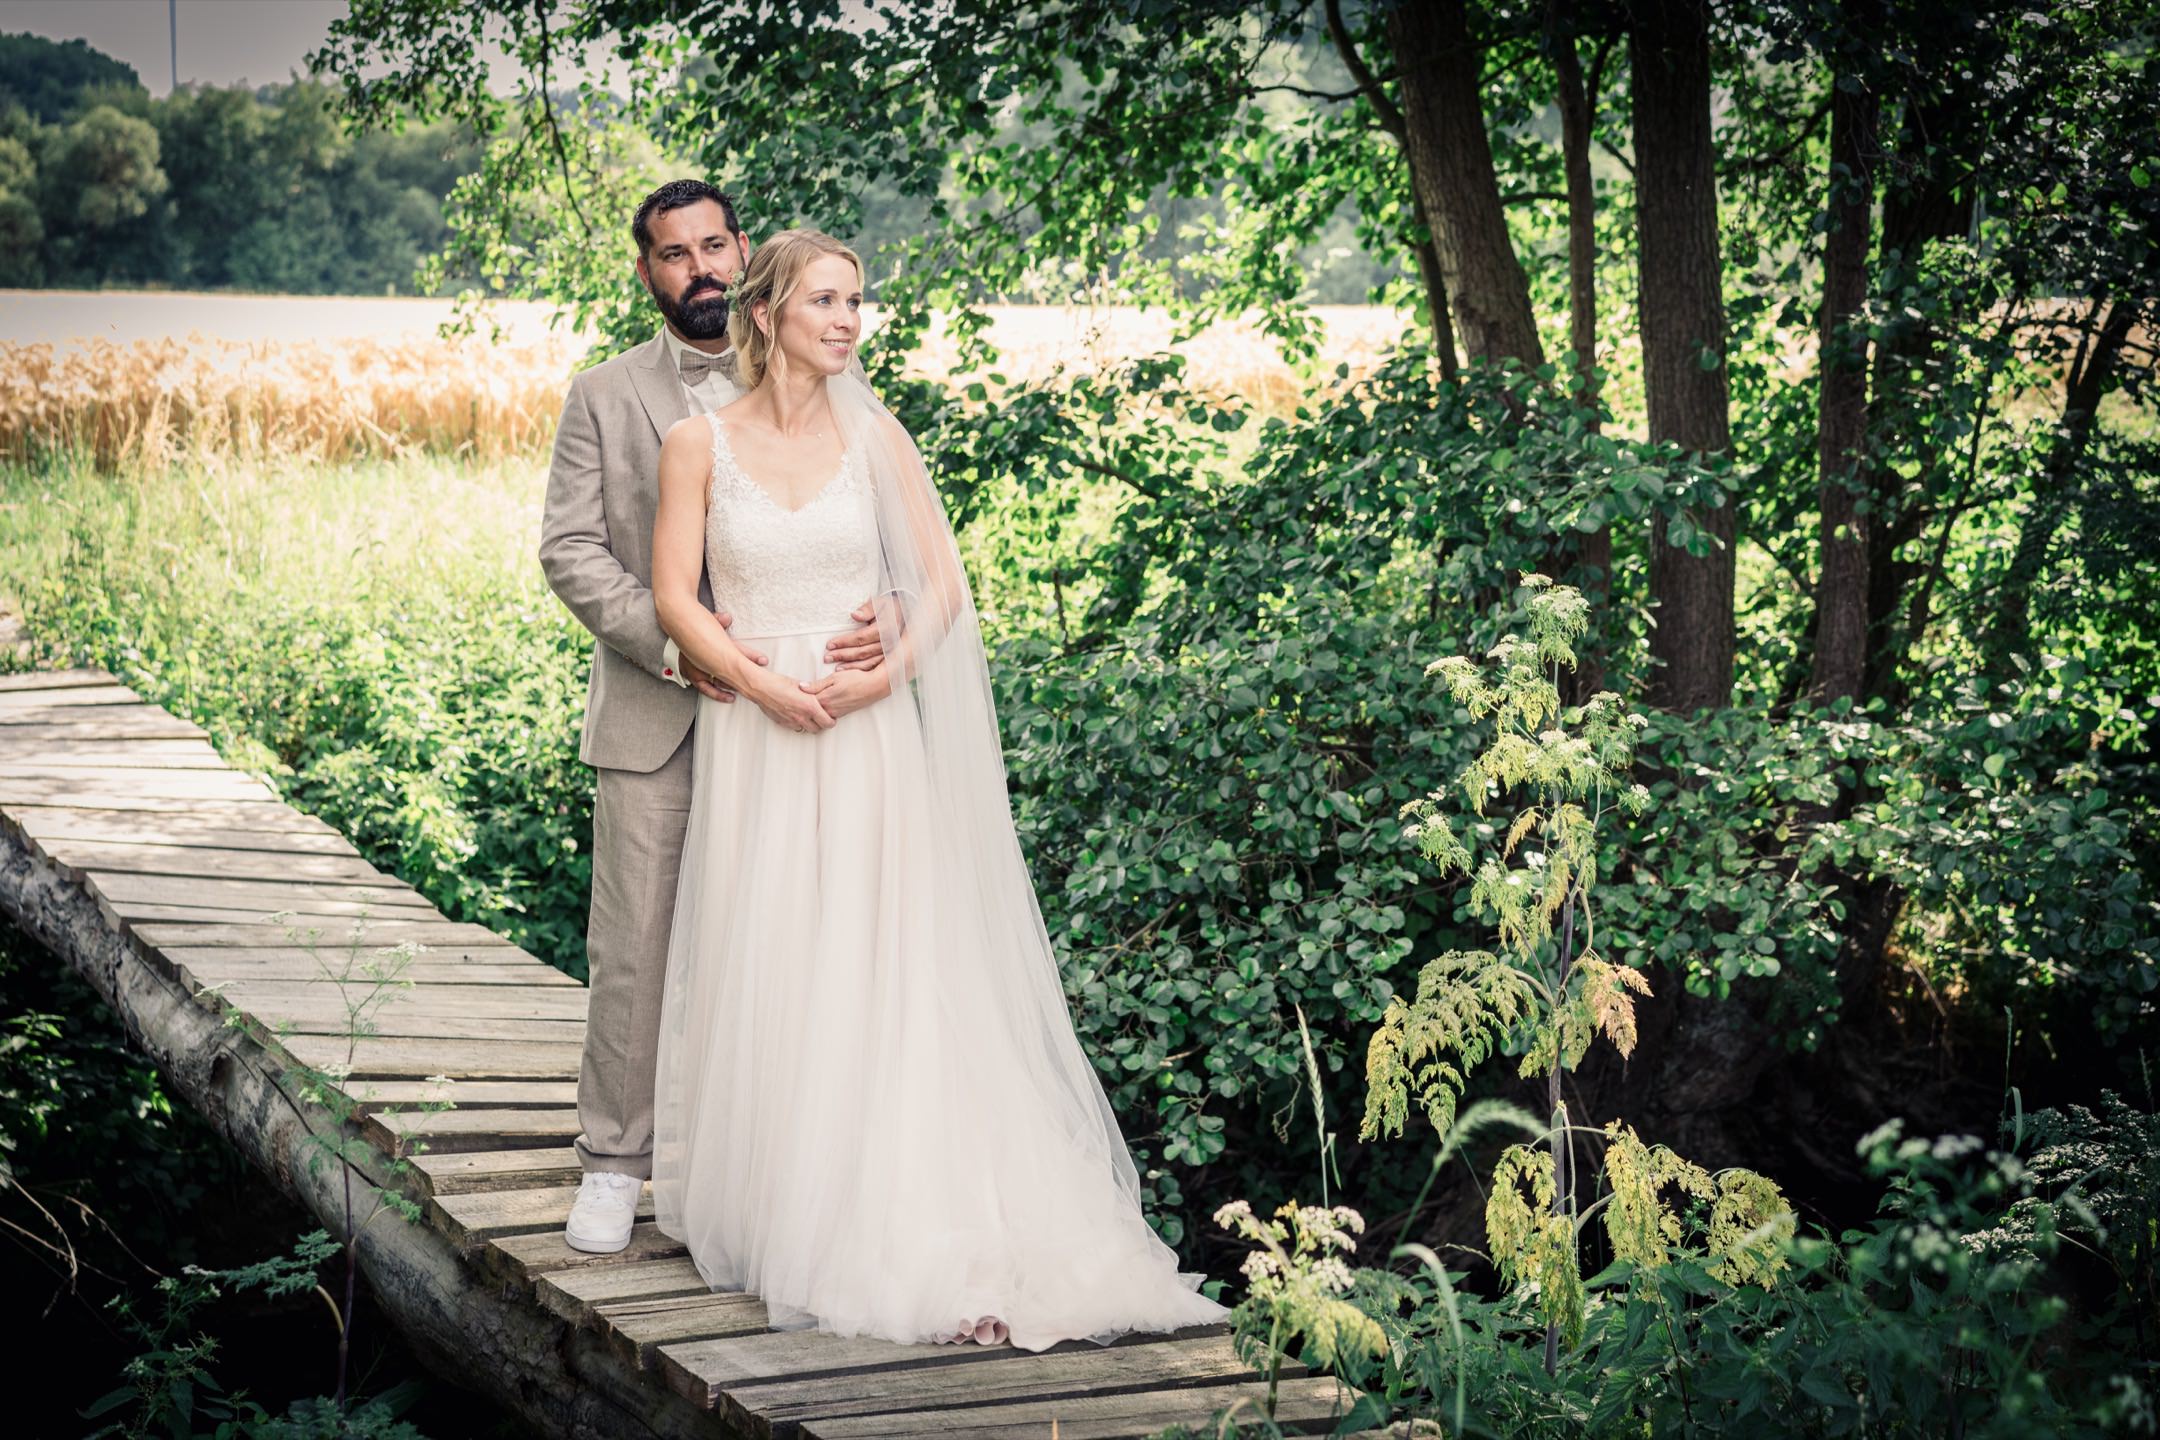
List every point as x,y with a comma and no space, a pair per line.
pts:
787,572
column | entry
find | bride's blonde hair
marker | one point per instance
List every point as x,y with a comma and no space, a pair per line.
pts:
775,270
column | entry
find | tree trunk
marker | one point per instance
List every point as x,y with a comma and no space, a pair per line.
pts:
1451,169
1426,246
1841,592
1594,550
2055,495
1683,323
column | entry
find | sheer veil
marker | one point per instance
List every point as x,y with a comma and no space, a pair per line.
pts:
972,877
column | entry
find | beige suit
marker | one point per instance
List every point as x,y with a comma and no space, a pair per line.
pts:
596,546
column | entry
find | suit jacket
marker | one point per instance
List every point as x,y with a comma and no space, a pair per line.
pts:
596,538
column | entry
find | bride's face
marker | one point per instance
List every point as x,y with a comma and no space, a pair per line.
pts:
820,323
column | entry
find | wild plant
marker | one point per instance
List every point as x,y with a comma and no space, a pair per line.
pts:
365,980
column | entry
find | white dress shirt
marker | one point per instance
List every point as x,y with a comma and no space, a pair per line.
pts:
708,395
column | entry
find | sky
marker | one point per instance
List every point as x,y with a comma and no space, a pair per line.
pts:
221,42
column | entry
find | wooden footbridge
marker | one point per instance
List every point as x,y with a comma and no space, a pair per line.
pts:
175,883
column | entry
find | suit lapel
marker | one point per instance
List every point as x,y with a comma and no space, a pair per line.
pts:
652,371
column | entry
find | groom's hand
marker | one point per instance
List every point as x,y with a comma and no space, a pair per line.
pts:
859,649
704,682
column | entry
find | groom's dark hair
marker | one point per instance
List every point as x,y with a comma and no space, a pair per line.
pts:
673,196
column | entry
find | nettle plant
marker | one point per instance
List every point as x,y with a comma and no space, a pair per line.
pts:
1537,795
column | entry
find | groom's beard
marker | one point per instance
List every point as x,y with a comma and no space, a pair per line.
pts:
699,315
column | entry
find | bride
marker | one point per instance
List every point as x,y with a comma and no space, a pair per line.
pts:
871,1109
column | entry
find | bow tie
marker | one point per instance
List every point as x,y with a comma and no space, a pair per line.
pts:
694,365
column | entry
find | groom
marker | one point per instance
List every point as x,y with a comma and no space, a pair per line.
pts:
596,547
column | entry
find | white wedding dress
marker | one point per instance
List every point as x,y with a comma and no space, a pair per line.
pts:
856,1118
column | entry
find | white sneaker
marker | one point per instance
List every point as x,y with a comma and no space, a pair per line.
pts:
603,1213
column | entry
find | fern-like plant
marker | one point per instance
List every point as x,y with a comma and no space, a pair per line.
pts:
1535,798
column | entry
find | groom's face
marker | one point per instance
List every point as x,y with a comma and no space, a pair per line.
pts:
694,260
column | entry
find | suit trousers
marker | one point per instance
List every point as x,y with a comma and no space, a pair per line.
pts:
639,820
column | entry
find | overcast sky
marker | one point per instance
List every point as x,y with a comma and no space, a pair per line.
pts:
222,42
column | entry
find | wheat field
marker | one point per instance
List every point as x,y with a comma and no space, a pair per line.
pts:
131,403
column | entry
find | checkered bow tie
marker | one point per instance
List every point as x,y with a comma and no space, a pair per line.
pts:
695,365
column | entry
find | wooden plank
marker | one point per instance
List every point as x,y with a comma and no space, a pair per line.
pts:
164,796
112,722
225,784
205,891
19,744
471,1218
52,708
470,1094
249,826
134,857
54,680
390,1019
303,914
552,1002
479,1128
57,757
398,1058
1307,1406
991,1375
578,1295
334,933
301,960
426,972
67,697
460,1173
639,1328
544,1253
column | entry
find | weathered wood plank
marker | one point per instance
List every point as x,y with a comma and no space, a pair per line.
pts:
424,973
133,780
471,1094
641,1327
1086,1369
66,697
392,1020
111,722
304,914
491,1128
704,1370
577,1295
54,680
387,895
408,1059
523,1257
59,757
250,826
373,932
551,1002
1308,1406
79,857
462,1174
471,1218
161,798
304,961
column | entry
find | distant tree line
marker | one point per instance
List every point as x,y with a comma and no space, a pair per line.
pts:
211,188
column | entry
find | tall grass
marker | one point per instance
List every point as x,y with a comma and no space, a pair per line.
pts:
152,404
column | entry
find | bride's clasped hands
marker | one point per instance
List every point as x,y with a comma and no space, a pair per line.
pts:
807,706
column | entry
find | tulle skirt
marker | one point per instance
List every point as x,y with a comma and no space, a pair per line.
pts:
857,1117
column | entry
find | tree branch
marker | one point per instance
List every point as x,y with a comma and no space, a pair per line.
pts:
1391,118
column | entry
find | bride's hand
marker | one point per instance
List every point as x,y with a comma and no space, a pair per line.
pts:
790,706
843,692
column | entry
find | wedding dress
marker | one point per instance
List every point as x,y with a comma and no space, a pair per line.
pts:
871,1107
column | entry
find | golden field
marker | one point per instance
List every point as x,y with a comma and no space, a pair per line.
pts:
391,387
